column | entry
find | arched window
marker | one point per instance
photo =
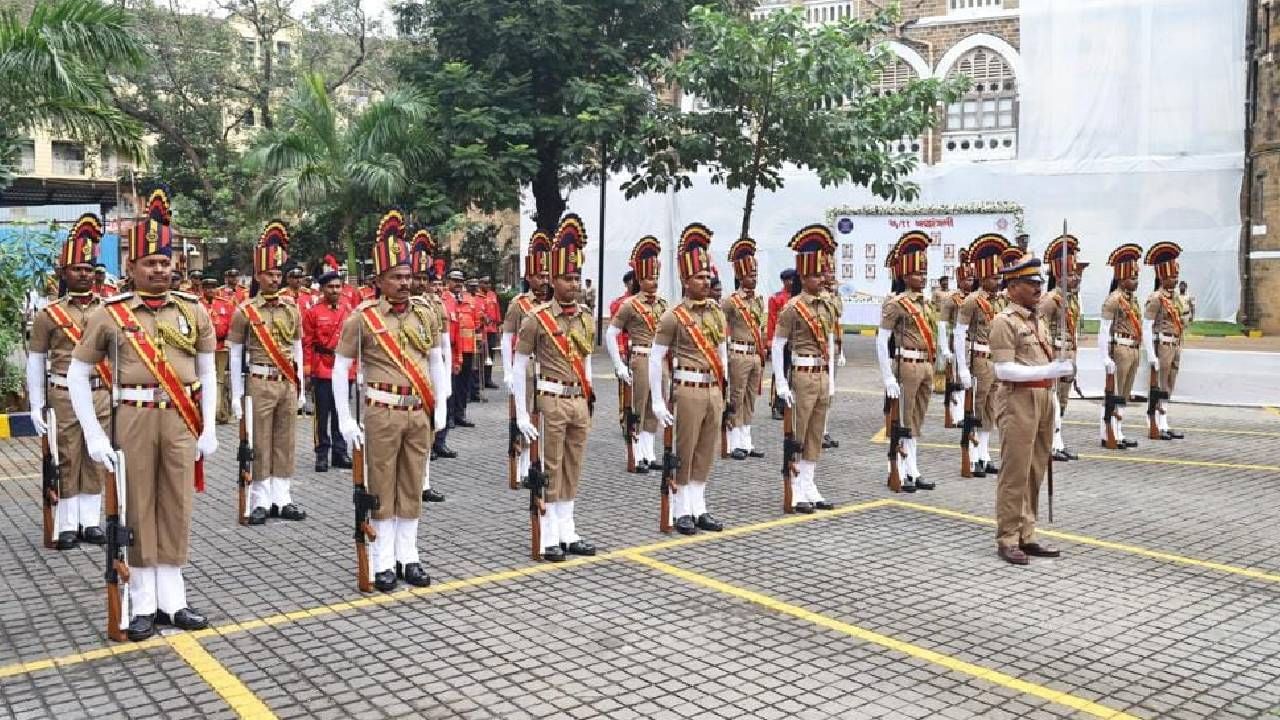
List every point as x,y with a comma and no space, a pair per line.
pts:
897,74
983,124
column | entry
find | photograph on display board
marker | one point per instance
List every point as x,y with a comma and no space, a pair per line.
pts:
846,271
871,272
846,251
871,252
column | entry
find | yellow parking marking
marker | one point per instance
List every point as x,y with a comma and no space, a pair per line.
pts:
860,633
235,693
879,437
1218,431
1107,544
23,668
1273,410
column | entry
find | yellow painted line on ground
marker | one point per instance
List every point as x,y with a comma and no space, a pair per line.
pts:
1272,410
30,476
1220,431
860,391
235,693
368,601
879,437
860,633
1107,544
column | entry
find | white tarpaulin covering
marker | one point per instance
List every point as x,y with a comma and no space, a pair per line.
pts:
1130,127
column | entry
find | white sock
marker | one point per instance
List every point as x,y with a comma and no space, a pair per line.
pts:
90,510
142,591
564,520
67,514
382,549
547,527
797,485
1102,425
426,476
911,458
522,468
1117,427
681,504
644,446
747,442
811,483
984,445
260,494
697,498
1162,421
280,493
406,549
171,590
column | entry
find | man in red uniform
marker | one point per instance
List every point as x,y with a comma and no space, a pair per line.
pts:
462,334
632,287
102,287
777,301
440,448
350,293
232,291
321,326
220,311
296,288
492,311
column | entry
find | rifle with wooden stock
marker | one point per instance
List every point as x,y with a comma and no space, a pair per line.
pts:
1109,404
50,476
670,460
244,453
536,480
951,387
629,420
363,501
790,447
896,432
513,444
967,439
119,534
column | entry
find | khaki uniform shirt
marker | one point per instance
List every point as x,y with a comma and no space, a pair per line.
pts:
739,326
1122,320
1018,336
895,318
973,314
515,318
630,320
48,337
283,321
535,342
415,329
708,318
949,307
180,329
796,329
1050,310
1158,314
938,297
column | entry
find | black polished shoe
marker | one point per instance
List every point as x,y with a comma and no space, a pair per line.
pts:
445,452
1038,550
978,470
258,516
491,386
1060,456
755,453
67,540
553,554
686,526
342,461
642,467
804,508
464,423
738,454
709,523
322,464
433,454
922,484
93,535
274,512
141,627
829,442
1119,445
293,512
824,505
909,485
184,619
430,495
990,468
414,575
1174,434
581,547
1071,455
1130,443
385,581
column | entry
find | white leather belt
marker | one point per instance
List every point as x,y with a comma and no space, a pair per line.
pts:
1124,342
692,376
55,380
146,395
1059,343
808,361
1170,339
392,399
269,372
552,387
640,349
908,354
981,347
745,348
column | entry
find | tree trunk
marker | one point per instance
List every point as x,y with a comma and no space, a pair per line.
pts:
344,231
549,204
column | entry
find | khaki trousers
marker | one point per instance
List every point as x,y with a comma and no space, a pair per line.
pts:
916,379
159,456
984,391
275,414
1126,360
1026,435
744,383
80,474
812,404
640,392
698,413
221,361
396,445
565,423
1170,357
1064,385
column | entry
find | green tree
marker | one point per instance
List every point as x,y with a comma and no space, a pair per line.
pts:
479,252
530,92
55,67
777,92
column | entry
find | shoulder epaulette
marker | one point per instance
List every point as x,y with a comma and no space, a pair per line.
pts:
540,307
118,298
185,295
418,300
366,304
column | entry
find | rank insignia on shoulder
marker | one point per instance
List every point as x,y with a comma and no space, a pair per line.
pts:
185,295
118,297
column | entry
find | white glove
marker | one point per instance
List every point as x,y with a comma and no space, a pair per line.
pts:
831,385
100,450
302,398
508,379
840,361
1109,365
783,391
966,379
1063,368
351,432
623,372
664,416
525,424
1155,365
37,419
206,444
441,418
891,387
237,407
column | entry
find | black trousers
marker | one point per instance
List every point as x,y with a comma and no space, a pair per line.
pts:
463,382
327,437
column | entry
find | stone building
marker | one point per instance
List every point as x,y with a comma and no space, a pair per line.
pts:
1260,199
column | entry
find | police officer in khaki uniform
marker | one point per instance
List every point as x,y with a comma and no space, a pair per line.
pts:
1164,321
558,337
973,328
1062,301
537,279
395,339
266,333
162,345
907,317
422,250
694,333
831,293
744,310
1024,362
948,304
809,324
638,317
55,330
1120,335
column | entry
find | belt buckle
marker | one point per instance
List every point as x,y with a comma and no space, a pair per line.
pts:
161,396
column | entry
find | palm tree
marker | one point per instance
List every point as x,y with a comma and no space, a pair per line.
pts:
55,70
314,159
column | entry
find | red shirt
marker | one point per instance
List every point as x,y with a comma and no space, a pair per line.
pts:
304,297
492,311
624,340
321,328
367,293
235,295
220,311
105,290
464,319
350,295
776,302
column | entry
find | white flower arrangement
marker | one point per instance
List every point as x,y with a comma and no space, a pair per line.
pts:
976,208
